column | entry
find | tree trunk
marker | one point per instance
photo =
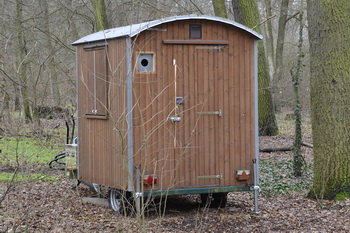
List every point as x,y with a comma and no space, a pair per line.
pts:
270,49
280,38
5,102
329,34
220,8
51,61
298,161
248,14
17,102
280,47
22,63
101,21
73,23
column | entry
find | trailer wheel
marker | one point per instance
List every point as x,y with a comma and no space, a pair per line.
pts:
115,201
120,202
214,200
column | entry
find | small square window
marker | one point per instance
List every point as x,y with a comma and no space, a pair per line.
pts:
195,31
145,62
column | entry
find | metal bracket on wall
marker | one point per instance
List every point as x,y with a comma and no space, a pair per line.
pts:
218,47
211,177
219,113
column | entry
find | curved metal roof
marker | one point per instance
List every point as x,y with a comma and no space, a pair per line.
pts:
134,29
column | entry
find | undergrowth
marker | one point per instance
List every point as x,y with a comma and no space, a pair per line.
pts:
8,177
276,177
27,150
25,154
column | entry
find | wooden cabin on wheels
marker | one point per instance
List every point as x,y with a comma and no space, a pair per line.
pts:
169,107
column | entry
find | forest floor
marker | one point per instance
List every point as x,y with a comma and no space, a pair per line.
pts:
53,206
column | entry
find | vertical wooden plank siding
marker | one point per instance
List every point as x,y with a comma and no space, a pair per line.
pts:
202,149
219,103
251,130
242,101
227,100
102,142
248,105
234,94
191,103
208,79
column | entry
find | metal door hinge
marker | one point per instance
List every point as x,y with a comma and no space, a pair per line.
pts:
211,177
219,113
218,48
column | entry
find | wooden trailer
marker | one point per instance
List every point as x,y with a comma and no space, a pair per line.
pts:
169,107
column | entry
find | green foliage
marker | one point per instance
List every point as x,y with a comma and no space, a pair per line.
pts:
15,114
276,178
27,150
342,196
289,117
7,177
69,106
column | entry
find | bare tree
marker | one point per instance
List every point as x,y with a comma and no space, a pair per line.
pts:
22,60
269,42
246,12
51,52
280,38
278,61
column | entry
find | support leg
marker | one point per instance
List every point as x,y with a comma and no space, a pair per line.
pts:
256,187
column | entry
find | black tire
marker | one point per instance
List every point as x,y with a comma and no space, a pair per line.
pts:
214,200
121,202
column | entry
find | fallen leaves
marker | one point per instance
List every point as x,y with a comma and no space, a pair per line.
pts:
54,207
46,206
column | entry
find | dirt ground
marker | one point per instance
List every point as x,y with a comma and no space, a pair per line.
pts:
56,207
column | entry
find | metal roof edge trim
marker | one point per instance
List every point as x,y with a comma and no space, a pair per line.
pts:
135,29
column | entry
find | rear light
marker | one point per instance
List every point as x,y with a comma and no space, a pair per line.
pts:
242,175
150,179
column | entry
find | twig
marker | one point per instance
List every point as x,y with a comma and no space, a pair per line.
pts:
307,145
271,17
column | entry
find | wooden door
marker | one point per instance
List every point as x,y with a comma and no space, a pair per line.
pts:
200,124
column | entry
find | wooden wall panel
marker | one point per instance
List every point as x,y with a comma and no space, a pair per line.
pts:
220,104
182,154
228,140
102,142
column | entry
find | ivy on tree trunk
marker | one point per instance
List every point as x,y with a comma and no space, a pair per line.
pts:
298,161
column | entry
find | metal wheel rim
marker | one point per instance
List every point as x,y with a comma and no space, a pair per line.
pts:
115,200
